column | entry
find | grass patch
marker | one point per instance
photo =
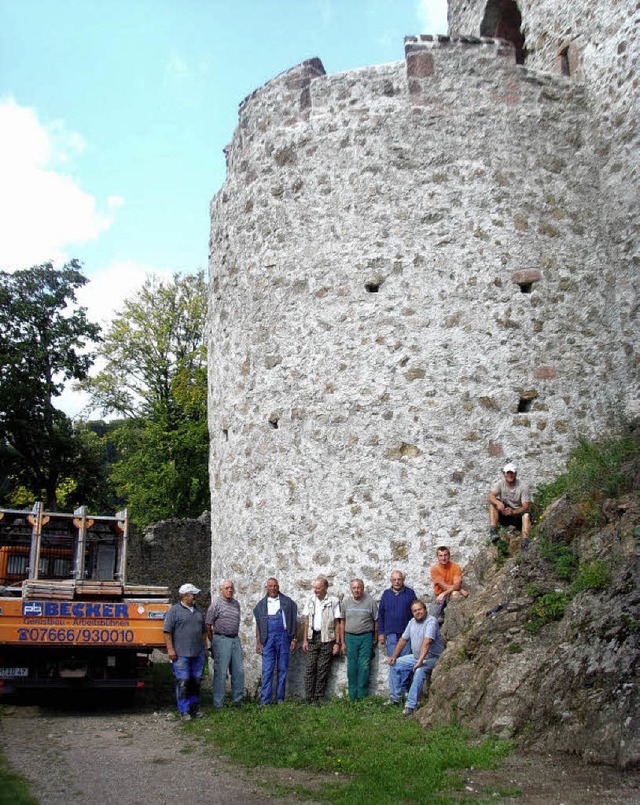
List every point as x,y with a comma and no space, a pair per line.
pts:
563,559
14,789
593,575
369,753
546,609
594,472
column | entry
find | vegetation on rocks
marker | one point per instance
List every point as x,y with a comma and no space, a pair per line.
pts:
547,648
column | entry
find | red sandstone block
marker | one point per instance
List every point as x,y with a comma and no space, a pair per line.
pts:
420,65
525,276
494,449
544,373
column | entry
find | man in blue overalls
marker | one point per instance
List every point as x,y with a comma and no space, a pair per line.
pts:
276,620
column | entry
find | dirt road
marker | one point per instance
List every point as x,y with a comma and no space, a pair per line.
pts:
120,759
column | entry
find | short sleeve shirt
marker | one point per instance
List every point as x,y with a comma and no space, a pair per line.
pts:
449,575
186,627
416,632
512,496
224,616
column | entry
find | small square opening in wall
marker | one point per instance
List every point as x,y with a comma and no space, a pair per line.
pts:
524,404
526,287
372,286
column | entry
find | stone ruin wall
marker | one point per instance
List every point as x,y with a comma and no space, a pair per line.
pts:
409,269
601,41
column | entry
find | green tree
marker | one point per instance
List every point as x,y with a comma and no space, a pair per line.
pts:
44,338
154,380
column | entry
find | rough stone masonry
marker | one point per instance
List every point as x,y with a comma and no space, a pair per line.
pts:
418,270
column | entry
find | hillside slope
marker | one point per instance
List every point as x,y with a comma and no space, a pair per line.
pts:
546,650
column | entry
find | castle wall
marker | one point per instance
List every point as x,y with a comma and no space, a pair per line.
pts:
601,42
408,277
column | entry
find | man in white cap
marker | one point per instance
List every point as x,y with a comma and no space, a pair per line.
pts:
509,504
185,635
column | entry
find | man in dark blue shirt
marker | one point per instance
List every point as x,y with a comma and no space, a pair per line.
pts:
394,613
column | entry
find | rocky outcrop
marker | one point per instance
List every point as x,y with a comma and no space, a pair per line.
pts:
516,666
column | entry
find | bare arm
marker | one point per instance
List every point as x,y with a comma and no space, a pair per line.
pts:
168,639
339,633
396,652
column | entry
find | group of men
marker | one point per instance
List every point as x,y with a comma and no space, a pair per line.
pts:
353,627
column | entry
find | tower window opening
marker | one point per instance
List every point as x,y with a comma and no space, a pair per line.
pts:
526,287
225,434
372,286
524,404
502,19
565,66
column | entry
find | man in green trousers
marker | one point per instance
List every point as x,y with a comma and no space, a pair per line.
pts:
360,613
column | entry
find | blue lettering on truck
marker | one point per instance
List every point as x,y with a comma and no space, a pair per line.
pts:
75,609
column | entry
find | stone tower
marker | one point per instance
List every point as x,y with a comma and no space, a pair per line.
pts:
418,270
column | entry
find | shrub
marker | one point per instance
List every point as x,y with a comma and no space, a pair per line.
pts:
549,607
595,471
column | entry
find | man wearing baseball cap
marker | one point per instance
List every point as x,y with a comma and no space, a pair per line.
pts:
185,635
509,504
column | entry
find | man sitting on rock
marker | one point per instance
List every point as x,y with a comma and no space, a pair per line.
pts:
509,504
447,581
423,633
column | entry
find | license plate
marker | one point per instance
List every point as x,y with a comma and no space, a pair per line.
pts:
12,673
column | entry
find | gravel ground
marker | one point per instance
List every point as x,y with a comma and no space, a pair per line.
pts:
122,759
139,757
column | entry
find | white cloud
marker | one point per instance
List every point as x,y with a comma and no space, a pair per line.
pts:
104,296
432,16
42,210
106,291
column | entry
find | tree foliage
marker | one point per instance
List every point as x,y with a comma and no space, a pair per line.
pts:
44,336
154,380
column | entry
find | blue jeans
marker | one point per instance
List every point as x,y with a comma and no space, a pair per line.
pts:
188,673
391,641
402,669
227,656
275,655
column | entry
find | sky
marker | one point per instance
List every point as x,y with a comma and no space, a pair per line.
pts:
114,115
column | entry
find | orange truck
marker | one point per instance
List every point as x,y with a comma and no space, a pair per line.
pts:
68,618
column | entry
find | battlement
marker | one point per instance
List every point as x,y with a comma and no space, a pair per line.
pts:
442,73
499,47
